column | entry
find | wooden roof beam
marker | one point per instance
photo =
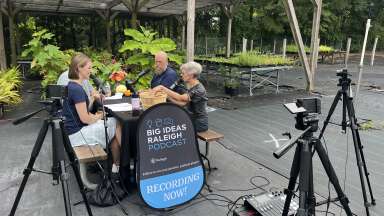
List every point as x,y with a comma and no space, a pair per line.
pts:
112,4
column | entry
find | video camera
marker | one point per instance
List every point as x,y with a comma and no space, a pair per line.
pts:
307,111
54,96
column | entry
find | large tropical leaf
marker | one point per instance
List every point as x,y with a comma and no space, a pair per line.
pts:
161,44
136,35
175,58
130,45
139,59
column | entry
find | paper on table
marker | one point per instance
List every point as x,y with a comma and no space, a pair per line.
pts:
114,97
120,107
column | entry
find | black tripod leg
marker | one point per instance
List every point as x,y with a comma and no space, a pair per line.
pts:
373,201
28,170
59,169
311,194
295,169
332,177
355,138
331,110
304,182
75,167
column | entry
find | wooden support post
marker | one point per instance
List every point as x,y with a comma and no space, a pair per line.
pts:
134,7
206,45
244,45
228,10
274,46
11,11
190,30
93,23
290,10
374,51
316,57
347,52
251,46
315,39
108,18
368,26
3,59
183,37
182,21
285,48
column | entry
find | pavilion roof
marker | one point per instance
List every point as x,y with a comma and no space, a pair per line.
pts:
152,8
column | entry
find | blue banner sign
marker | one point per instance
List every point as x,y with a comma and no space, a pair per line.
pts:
170,170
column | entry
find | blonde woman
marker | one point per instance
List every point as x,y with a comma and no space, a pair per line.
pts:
82,126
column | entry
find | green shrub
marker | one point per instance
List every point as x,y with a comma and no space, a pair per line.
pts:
10,82
48,59
140,47
292,48
251,59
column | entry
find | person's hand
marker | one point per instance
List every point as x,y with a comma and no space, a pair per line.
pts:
98,116
159,88
96,95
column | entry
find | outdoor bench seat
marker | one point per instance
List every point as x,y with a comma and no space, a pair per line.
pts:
208,137
87,154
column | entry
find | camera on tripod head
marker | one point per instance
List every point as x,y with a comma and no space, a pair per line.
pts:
342,72
54,96
307,112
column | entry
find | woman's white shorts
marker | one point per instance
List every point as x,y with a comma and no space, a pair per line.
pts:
94,134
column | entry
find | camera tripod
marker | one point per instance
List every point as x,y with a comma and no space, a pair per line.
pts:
345,95
60,143
302,164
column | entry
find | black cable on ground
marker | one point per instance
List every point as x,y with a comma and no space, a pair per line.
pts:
269,168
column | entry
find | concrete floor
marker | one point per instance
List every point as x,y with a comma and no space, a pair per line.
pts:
244,153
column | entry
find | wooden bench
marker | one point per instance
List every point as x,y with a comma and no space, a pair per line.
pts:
208,137
87,154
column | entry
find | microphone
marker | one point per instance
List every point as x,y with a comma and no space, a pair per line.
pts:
176,84
141,74
98,83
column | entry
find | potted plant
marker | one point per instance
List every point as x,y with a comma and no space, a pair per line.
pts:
231,80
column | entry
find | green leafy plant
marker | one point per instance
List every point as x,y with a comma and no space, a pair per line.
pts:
140,47
231,76
103,63
47,58
10,82
251,59
292,48
324,48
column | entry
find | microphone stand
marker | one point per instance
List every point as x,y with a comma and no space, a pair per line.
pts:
106,137
108,176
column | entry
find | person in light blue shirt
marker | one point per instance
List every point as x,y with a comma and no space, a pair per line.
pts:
92,94
88,88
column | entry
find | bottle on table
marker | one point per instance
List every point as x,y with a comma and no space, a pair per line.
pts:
135,101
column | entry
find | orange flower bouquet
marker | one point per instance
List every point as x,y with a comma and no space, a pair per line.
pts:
118,76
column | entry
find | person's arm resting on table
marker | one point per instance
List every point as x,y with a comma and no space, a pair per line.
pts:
84,115
174,97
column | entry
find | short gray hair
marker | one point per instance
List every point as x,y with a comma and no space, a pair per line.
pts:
192,68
